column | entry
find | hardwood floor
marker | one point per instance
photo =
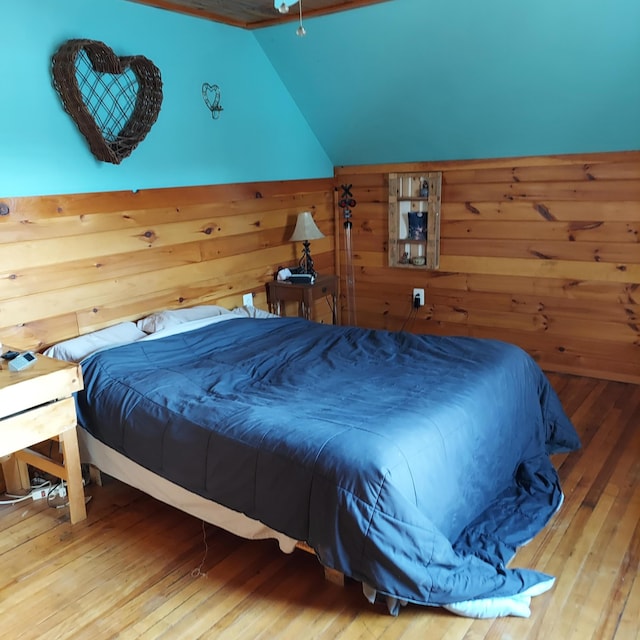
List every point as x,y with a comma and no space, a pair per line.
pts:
131,569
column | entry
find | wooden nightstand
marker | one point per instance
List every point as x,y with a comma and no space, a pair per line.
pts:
279,291
36,404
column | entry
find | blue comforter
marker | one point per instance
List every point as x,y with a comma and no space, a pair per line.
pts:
415,464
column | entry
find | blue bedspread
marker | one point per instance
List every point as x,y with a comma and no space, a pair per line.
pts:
415,464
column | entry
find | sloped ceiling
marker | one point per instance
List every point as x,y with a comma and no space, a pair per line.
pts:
251,14
414,80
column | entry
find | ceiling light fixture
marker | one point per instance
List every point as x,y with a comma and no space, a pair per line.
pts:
283,5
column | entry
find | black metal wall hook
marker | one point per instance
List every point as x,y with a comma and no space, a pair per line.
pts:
211,97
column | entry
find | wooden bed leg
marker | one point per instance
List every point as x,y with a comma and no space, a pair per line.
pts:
95,475
331,575
334,576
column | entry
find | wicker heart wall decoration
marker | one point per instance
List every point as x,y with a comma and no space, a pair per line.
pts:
113,100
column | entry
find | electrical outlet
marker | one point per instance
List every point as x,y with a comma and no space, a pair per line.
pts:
247,299
418,293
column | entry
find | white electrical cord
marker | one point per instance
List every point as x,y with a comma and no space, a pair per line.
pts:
197,572
15,500
58,490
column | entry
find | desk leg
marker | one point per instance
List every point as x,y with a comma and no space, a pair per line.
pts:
306,304
274,307
71,455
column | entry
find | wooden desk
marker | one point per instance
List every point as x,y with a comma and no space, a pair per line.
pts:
36,404
279,291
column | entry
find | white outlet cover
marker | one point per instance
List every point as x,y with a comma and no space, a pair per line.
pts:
247,299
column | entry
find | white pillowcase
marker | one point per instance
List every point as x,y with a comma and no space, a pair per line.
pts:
253,312
172,317
76,349
517,605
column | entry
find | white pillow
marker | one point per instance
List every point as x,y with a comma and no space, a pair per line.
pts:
172,317
517,605
76,349
253,312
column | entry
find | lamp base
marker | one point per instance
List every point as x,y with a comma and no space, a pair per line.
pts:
306,262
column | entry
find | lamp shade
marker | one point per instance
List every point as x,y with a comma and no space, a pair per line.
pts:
306,228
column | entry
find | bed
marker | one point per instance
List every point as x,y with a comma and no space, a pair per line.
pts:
414,464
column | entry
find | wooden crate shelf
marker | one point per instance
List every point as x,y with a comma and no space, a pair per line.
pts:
414,220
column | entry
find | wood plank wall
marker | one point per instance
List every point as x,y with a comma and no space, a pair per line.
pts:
71,264
543,252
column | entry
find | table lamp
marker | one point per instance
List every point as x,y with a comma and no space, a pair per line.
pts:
306,230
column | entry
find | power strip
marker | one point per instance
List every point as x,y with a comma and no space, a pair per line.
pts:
43,493
40,494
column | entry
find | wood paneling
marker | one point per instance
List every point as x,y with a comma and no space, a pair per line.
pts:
71,264
543,252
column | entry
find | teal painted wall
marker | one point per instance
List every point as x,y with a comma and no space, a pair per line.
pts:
412,80
399,81
261,135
